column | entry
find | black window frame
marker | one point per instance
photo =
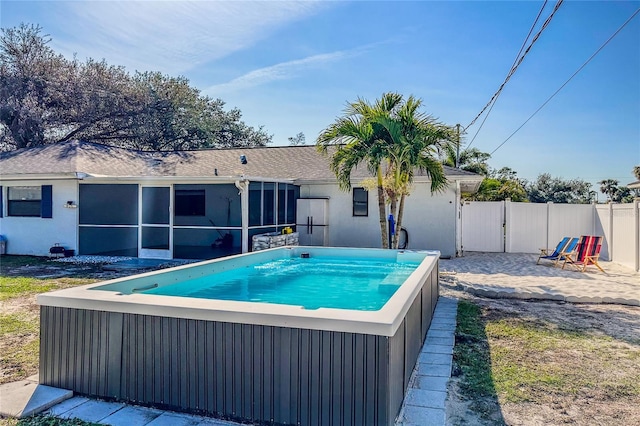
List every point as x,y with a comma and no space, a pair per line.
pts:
360,201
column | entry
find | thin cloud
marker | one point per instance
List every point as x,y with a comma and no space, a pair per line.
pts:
285,70
281,71
172,37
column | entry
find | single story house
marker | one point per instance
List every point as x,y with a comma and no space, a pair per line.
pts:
96,199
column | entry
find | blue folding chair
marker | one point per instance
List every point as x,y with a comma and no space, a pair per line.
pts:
567,245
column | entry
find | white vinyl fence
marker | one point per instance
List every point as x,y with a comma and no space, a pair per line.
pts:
505,226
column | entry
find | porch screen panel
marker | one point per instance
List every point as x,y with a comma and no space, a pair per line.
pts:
106,241
155,205
155,237
198,243
255,203
207,205
293,193
282,203
268,203
108,204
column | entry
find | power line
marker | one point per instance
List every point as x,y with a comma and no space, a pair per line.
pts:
524,43
514,68
570,78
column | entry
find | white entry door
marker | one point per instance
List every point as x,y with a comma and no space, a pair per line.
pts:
155,240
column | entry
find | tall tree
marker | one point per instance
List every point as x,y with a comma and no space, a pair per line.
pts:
636,172
31,82
609,187
553,189
616,193
358,139
471,159
413,141
45,98
298,139
498,185
390,133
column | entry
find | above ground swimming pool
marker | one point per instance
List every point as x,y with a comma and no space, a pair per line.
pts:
293,335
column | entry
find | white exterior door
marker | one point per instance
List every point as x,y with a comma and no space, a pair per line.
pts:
155,239
483,226
311,221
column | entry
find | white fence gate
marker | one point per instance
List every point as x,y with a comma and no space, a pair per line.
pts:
504,226
482,226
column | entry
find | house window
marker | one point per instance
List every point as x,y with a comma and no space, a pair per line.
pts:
360,202
25,201
190,202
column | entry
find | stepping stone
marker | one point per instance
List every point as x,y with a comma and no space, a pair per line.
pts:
26,398
176,419
425,398
433,370
131,415
432,383
93,410
435,358
421,416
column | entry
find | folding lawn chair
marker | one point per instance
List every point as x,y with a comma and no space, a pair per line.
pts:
567,245
585,254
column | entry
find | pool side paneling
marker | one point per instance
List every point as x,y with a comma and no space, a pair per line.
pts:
405,345
270,374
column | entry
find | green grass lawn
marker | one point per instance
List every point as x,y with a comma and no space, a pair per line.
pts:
20,286
20,324
509,357
19,313
43,420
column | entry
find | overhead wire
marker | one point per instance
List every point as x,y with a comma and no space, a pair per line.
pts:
514,68
493,102
569,79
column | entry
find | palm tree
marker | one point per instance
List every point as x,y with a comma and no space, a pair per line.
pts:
414,140
357,139
390,133
636,172
470,159
609,187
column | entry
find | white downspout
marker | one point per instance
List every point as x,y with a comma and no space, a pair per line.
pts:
243,186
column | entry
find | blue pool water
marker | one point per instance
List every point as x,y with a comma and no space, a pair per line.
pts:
342,283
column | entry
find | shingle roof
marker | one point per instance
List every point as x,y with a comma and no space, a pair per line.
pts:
290,162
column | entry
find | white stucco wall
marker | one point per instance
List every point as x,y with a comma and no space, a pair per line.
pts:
429,219
35,235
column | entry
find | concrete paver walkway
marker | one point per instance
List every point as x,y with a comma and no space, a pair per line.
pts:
424,403
516,275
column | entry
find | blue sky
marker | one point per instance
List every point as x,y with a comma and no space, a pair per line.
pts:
292,66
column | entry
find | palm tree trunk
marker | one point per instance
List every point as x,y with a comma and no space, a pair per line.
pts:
393,206
381,210
396,237
393,209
